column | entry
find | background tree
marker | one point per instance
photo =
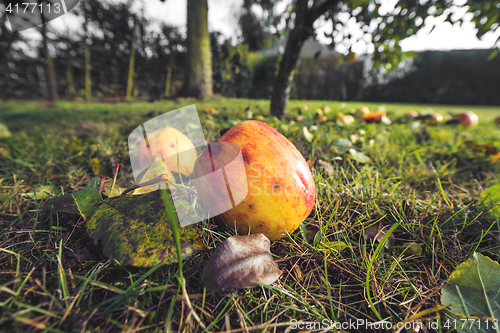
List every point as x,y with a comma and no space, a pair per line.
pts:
252,29
14,65
231,71
386,26
199,63
50,65
170,48
130,79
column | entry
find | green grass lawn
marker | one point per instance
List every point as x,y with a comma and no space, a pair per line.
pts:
425,178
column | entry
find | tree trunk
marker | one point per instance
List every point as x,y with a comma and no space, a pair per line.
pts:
50,64
88,82
304,20
281,87
130,80
87,67
71,91
199,64
169,81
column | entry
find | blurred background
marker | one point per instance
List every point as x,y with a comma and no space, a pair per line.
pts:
391,51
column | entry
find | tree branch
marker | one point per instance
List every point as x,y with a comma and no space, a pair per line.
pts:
317,10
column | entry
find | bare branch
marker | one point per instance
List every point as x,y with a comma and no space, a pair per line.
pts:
319,9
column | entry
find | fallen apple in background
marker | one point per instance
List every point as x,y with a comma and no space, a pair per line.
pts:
347,119
361,111
467,118
171,145
322,119
374,117
411,115
326,108
497,120
318,113
281,191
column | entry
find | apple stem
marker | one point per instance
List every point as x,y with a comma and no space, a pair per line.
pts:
156,180
117,167
103,178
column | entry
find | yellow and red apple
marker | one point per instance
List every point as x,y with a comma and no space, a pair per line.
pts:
170,145
281,191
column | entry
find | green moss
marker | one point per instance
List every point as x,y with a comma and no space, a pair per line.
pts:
135,231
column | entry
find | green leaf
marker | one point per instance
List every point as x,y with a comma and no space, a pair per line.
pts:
136,231
86,201
95,183
64,203
360,157
341,146
490,201
473,289
338,246
304,232
317,238
82,202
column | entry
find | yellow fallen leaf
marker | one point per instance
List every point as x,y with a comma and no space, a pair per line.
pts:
95,165
117,190
41,192
307,135
496,157
209,111
75,144
413,248
158,167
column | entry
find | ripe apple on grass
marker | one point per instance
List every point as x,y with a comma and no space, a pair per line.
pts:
281,191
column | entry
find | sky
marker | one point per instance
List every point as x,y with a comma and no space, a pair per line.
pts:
223,17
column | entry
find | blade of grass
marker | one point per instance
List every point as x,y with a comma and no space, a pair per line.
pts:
443,194
62,276
37,309
174,224
375,255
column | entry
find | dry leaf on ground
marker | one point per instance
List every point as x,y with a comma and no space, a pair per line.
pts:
239,260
